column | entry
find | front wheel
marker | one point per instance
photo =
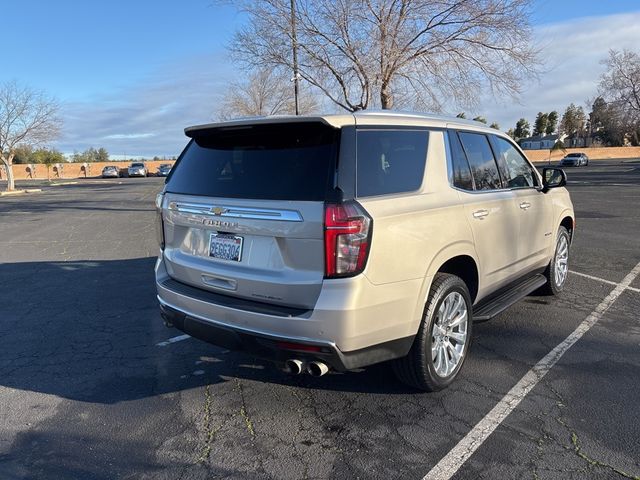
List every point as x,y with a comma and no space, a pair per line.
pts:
558,269
442,342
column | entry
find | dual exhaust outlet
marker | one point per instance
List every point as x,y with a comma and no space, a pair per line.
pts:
315,369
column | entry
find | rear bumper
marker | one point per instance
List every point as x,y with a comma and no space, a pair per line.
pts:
280,349
353,324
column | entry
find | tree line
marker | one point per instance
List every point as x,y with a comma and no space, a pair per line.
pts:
607,124
25,154
614,115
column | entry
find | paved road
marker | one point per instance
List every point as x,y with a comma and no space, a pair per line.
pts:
86,392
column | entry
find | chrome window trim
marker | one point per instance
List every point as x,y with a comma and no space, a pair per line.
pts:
226,211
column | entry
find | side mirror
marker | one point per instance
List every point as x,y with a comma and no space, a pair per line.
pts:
553,178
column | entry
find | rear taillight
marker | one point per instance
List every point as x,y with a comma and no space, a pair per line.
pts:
347,237
159,222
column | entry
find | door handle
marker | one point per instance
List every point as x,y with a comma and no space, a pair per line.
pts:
525,205
480,214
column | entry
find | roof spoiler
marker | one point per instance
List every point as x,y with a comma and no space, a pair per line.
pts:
247,123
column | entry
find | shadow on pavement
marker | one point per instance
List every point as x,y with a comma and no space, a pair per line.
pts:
88,331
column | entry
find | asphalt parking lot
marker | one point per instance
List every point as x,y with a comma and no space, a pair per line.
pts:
93,386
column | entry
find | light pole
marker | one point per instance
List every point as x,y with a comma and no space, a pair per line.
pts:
294,42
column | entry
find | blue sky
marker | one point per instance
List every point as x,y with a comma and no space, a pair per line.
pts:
132,74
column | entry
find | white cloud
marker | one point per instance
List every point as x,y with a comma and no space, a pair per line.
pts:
120,136
147,118
571,53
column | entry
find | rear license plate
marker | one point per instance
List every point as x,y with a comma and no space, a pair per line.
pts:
225,247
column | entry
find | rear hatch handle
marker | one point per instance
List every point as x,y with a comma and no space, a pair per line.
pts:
219,282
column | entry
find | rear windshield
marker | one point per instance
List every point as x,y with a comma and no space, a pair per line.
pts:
294,161
137,165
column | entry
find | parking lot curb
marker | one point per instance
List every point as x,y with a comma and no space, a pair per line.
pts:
20,192
12,192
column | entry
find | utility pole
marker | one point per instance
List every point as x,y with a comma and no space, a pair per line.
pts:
295,55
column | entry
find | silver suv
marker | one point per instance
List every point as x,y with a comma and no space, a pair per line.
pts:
340,241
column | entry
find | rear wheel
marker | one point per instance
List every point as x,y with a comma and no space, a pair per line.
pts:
442,342
558,269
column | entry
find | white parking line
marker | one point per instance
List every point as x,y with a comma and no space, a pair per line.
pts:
179,338
452,461
598,279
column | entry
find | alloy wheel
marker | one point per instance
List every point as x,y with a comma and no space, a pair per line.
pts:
449,334
562,260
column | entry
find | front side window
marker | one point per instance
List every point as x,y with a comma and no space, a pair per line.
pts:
390,161
480,157
516,171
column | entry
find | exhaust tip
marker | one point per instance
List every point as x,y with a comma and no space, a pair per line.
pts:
166,321
317,369
293,366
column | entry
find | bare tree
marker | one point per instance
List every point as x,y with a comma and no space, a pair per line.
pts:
620,84
620,87
263,93
367,53
27,117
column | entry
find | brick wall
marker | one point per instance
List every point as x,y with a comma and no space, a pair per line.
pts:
73,170
602,153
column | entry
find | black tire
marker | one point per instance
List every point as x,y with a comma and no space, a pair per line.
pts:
552,287
417,368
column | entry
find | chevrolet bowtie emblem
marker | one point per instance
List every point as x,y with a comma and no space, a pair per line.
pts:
218,210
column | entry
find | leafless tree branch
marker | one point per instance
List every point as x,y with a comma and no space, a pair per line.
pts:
28,117
264,92
364,53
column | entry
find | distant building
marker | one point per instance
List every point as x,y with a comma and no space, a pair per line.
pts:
576,140
538,142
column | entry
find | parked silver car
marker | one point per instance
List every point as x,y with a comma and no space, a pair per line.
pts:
110,171
137,169
575,160
164,170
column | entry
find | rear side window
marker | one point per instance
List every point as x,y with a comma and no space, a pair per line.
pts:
294,161
461,172
516,171
390,161
480,157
